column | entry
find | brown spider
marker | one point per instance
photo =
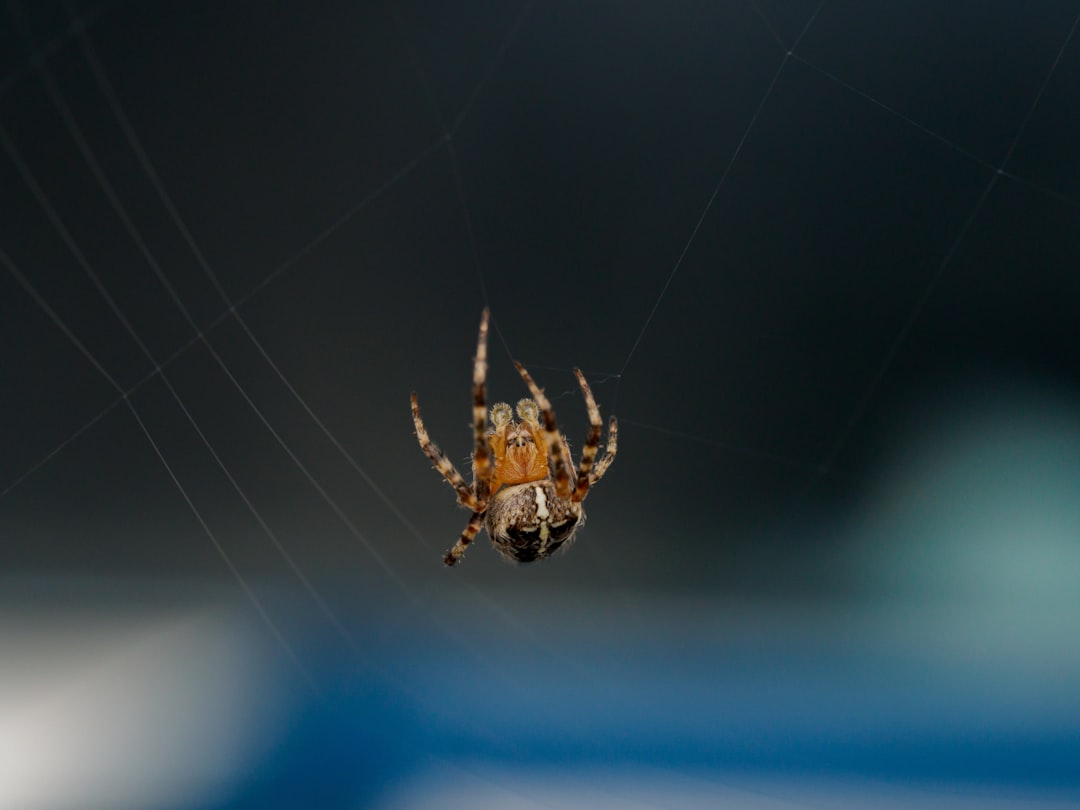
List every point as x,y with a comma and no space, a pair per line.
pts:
526,490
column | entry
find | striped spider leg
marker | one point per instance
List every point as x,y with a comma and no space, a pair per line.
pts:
586,473
472,497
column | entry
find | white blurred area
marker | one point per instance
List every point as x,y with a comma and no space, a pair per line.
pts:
133,707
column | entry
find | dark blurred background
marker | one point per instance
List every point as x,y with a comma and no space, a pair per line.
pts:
821,259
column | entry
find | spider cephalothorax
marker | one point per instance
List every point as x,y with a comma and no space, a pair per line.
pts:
526,490
516,446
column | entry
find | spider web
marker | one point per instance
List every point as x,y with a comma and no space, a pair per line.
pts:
763,231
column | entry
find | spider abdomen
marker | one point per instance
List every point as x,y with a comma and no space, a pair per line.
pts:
529,522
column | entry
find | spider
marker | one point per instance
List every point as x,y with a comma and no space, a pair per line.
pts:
526,490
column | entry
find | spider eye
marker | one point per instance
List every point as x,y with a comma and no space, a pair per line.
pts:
520,438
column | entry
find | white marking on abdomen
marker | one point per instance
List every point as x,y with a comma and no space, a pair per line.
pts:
542,514
541,504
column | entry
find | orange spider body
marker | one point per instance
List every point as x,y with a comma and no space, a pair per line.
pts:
526,489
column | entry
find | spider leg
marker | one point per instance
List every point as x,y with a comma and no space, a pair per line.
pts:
465,493
592,441
454,555
609,456
483,471
557,452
